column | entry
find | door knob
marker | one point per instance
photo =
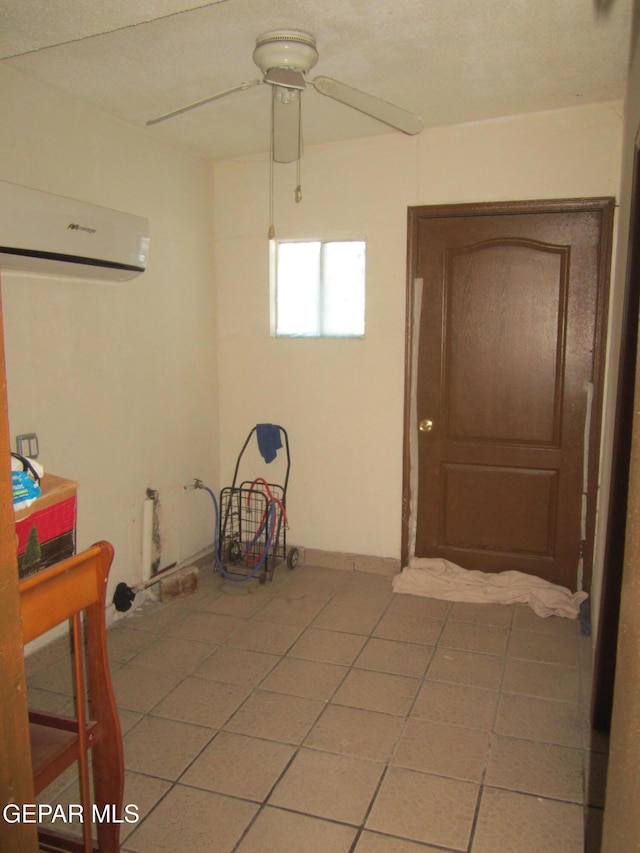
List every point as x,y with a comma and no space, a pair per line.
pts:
426,425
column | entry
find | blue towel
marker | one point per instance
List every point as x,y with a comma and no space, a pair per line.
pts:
269,441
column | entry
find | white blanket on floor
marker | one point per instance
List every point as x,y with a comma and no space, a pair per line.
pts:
438,578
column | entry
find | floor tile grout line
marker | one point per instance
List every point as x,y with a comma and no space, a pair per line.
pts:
476,818
369,808
265,801
546,797
151,810
330,820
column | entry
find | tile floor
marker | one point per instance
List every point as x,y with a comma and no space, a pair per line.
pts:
321,713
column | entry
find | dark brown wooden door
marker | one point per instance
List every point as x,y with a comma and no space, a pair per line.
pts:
506,374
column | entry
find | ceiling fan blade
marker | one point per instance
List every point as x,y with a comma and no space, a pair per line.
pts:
378,109
287,143
203,101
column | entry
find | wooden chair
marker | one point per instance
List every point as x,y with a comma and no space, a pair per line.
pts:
75,590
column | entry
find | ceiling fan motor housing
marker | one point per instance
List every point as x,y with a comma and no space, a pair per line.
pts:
290,49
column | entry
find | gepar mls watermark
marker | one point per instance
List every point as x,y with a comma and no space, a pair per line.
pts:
71,813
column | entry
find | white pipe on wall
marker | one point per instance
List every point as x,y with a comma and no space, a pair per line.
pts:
413,418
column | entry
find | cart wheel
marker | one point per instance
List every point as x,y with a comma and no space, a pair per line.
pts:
293,558
263,577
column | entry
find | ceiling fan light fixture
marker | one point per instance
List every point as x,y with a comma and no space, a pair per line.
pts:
285,49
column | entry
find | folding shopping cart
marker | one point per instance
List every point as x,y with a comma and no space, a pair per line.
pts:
252,538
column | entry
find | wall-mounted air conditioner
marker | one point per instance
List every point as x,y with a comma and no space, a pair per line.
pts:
44,233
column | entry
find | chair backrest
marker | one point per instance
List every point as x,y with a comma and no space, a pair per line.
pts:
52,596
75,589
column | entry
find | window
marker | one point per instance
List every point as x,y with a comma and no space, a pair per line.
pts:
319,289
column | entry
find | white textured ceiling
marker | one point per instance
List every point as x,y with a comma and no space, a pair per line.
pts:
449,61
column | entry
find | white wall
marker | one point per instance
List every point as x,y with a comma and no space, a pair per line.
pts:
342,400
118,380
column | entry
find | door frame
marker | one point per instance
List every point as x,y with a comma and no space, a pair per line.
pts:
605,653
606,207
16,775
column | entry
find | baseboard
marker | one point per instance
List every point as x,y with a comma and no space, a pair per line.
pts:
342,561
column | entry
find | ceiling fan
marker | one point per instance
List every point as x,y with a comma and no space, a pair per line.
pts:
285,57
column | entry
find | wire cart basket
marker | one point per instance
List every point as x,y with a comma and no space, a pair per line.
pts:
252,536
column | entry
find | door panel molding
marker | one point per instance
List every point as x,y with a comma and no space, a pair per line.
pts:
470,518
484,293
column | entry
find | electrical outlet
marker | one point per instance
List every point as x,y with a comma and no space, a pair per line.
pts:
27,445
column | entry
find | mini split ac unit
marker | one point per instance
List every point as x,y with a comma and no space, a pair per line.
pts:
49,234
